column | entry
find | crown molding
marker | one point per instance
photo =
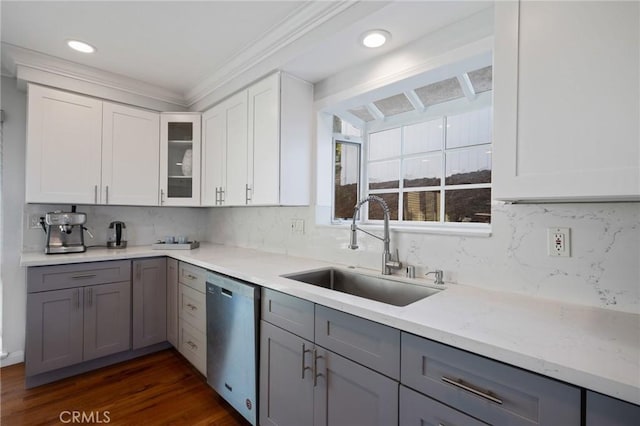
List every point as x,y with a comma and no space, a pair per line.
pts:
294,26
15,58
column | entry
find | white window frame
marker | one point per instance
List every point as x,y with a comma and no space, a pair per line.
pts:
339,137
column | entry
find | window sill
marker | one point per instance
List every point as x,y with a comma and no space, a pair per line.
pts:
474,230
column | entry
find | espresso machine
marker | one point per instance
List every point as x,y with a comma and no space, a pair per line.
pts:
65,232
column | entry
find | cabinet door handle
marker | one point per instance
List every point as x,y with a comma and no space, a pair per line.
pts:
315,367
89,297
79,277
106,191
192,307
466,387
192,345
221,196
304,352
139,271
161,196
95,194
193,277
247,191
217,195
77,297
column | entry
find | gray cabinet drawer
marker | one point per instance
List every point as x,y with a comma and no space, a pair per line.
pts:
371,344
46,278
485,389
604,410
419,410
288,312
192,307
193,276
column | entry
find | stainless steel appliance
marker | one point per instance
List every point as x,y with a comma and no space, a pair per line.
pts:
117,235
65,232
232,342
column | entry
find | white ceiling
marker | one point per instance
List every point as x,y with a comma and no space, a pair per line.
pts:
178,45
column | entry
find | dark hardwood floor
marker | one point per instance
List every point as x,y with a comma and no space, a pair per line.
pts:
158,389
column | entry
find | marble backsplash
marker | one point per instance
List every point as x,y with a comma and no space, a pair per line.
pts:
145,225
603,270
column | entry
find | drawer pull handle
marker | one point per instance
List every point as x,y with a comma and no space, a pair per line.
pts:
315,367
79,277
460,384
304,368
193,277
192,307
192,345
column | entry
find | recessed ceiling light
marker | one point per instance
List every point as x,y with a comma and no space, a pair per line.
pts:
81,46
375,38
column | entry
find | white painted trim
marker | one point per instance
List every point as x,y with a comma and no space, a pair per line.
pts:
303,20
17,58
473,55
14,358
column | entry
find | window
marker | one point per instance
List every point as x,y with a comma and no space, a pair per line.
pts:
434,171
346,169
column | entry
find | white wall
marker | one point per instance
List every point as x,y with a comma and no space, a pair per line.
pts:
145,225
13,277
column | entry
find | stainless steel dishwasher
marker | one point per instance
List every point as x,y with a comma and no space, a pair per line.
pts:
232,342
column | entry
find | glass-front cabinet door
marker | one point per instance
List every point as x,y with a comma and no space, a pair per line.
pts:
180,159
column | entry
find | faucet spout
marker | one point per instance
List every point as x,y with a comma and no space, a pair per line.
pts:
387,262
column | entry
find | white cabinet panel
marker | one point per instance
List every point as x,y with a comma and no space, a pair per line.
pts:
567,110
214,153
64,134
130,155
236,126
264,142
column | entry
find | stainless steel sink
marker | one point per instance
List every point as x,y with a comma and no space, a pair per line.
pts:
385,290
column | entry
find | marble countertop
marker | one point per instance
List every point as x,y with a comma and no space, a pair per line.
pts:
594,348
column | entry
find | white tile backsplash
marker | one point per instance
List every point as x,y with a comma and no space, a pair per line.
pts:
145,225
603,270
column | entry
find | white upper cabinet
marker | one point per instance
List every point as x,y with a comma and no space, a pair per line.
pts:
130,155
263,165
82,150
257,145
224,151
566,101
235,188
64,135
180,159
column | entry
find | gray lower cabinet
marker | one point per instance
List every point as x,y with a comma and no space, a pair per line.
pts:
348,394
303,383
107,319
604,410
419,410
286,378
76,313
487,390
149,291
172,302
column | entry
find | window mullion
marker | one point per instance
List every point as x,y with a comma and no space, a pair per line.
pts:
443,169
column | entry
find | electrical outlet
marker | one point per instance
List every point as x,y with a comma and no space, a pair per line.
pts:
297,226
559,242
34,220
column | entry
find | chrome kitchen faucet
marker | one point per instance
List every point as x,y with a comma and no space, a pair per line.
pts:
387,262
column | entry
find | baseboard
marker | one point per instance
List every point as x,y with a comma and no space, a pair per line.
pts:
83,367
14,358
